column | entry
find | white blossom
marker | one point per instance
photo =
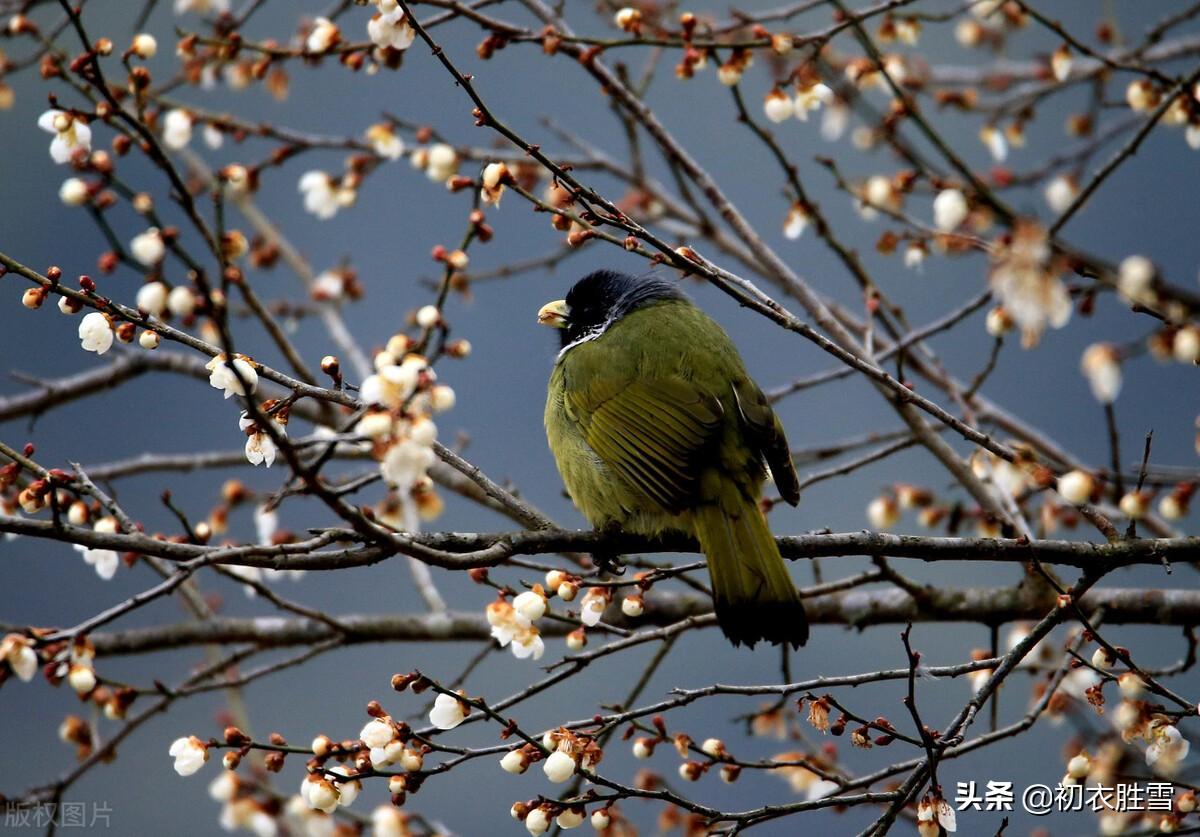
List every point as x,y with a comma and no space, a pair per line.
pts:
323,36
778,107
17,651
834,121
949,209
442,398
221,375
537,821
592,608
223,788
71,134
796,222
324,196
514,761
405,462
105,561
95,333
385,141
1060,193
181,302
883,513
148,247
73,192
152,298
200,7
189,753
347,791
260,447
447,712
559,767
1101,365
1025,280
1060,63
1135,279
388,821
810,98
997,145
177,129
531,605
319,793
391,30
527,644
428,316
1076,487
1167,748
914,256
441,163
81,678
377,733
213,137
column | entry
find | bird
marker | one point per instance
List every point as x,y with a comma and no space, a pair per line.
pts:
656,428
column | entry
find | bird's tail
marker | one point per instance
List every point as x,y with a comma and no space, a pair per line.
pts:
752,591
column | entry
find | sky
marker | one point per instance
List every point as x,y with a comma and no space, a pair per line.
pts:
1146,207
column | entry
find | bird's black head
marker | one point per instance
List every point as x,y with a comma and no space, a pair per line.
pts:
601,298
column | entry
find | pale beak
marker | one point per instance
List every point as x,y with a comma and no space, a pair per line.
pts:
554,314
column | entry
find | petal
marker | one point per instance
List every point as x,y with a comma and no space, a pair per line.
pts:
46,121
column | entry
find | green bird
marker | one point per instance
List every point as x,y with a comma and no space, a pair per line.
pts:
656,428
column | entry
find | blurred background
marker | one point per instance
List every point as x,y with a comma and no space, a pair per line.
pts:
1147,207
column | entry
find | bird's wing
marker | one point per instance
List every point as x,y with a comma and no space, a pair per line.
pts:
651,432
766,432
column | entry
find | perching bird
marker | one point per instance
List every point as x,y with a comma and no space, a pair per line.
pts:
656,427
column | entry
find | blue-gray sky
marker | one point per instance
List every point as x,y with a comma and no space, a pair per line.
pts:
1147,207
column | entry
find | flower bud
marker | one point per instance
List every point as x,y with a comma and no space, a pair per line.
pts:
1076,487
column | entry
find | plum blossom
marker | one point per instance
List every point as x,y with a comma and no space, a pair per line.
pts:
323,37
177,129
17,651
260,447
778,107
447,712
181,302
104,560
811,97
323,195
378,732
593,605
441,162
71,134
1167,747
494,177
319,793
559,767
73,192
189,753
148,247
1061,192
949,209
221,375
152,298
200,7
796,222
385,141
1101,365
406,462
528,644
95,333
1025,279
390,28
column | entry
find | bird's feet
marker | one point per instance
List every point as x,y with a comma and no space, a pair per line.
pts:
608,561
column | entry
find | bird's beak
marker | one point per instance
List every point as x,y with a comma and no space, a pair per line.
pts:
554,314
